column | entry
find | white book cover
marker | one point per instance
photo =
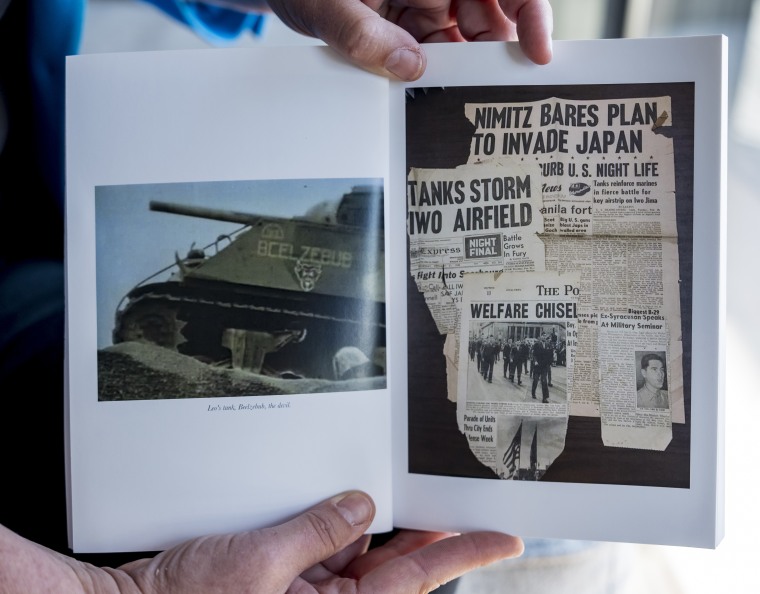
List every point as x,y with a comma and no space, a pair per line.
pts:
278,266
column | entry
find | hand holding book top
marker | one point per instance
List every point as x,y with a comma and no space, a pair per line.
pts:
321,550
383,36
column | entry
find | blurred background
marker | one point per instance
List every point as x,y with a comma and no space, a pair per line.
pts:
127,25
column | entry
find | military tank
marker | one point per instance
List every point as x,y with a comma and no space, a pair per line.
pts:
279,296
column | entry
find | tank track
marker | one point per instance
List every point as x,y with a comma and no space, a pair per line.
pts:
195,325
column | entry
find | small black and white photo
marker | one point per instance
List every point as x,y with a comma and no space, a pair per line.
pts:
518,362
651,380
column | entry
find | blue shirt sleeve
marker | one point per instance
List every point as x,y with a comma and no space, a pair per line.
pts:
218,26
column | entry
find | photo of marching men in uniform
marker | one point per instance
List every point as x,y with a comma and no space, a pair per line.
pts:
532,366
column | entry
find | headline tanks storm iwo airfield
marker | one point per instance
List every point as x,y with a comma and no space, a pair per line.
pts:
288,297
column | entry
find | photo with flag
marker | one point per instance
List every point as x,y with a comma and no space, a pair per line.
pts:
512,455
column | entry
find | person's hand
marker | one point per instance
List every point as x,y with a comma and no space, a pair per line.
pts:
384,36
322,550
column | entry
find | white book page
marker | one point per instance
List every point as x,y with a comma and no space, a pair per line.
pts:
628,497
144,475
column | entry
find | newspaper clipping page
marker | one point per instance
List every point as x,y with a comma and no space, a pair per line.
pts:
556,193
520,327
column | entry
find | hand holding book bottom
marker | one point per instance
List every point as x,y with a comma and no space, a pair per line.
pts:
324,549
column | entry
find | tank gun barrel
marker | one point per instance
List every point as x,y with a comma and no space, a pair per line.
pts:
229,216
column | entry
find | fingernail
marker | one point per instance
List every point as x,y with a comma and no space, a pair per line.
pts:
405,63
355,508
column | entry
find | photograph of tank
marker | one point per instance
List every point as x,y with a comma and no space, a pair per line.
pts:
240,288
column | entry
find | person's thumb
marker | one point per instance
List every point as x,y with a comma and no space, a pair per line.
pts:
358,33
322,531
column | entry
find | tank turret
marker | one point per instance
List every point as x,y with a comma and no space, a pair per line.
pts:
278,296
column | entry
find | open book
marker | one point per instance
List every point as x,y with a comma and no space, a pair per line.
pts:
492,298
